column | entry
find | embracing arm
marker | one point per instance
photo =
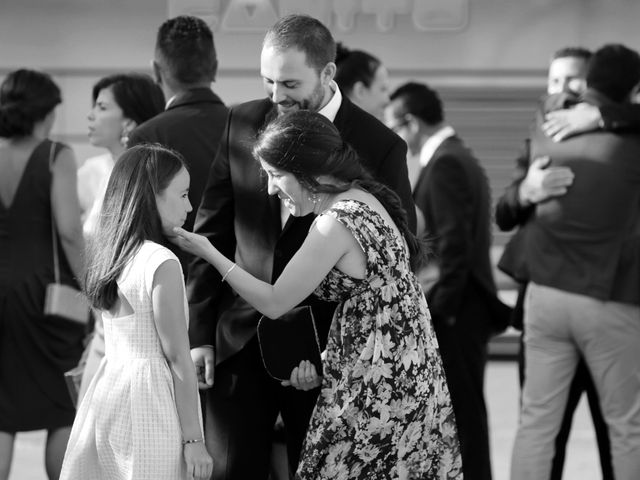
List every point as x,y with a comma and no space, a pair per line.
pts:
584,117
532,183
509,211
66,210
328,241
168,313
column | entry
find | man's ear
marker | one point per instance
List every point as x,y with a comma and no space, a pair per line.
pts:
327,73
157,72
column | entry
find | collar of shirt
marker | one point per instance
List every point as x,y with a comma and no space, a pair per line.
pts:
433,142
330,110
170,101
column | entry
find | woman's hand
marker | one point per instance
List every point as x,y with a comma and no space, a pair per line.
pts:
304,377
191,242
199,463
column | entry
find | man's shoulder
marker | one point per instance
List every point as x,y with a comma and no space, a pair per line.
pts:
182,117
454,148
364,131
253,107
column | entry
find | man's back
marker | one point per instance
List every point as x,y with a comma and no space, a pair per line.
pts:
192,125
579,239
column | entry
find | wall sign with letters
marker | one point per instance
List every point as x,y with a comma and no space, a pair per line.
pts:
258,15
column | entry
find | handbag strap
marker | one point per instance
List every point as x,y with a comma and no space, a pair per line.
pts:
54,233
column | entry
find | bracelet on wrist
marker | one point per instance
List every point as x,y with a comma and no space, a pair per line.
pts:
224,277
192,440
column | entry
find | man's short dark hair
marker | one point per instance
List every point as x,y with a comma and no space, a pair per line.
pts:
572,52
184,47
420,101
614,71
306,34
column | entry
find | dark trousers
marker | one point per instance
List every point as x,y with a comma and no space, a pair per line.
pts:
240,412
582,383
463,348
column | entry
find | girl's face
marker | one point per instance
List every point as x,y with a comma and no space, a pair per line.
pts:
106,121
289,190
173,202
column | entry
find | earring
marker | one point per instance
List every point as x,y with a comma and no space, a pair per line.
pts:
124,139
313,198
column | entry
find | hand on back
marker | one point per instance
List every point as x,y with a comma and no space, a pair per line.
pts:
543,182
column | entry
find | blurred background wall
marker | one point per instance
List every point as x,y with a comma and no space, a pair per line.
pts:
487,58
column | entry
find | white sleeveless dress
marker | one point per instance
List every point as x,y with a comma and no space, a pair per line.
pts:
127,425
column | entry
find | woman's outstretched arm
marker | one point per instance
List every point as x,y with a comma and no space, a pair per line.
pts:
328,241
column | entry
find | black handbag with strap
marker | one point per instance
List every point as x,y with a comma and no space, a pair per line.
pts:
288,340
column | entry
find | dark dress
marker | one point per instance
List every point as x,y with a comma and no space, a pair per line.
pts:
384,411
34,350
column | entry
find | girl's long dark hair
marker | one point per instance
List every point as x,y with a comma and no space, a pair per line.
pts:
308,145
129,216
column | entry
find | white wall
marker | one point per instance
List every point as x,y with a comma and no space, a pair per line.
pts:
499,44
486,57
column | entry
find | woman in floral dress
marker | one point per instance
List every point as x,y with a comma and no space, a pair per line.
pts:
384,411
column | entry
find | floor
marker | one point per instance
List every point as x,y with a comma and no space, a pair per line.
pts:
502,397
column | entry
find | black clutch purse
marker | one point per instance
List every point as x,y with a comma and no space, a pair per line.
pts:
287,340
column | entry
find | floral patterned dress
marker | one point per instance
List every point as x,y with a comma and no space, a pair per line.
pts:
384,411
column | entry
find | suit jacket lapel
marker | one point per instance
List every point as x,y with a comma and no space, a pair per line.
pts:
343,116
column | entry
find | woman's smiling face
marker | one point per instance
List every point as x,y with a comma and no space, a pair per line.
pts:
287,187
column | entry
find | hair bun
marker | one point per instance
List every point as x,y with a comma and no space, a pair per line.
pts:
14,120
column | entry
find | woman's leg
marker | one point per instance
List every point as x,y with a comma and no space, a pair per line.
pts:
6,453
54,452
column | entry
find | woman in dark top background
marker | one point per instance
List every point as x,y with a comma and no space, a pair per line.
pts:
35,349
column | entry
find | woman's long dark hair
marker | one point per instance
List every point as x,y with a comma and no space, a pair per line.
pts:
129,216
308,145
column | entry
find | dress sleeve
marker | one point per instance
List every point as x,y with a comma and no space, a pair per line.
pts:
156,257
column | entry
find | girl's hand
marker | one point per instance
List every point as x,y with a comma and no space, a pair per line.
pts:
191,242
199,463
304,377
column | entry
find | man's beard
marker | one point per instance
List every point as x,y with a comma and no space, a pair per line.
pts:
312,103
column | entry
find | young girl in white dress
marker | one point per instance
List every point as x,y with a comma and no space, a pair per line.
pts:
140,418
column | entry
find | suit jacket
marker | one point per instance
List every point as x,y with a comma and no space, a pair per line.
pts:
586,241
243,221
192,126
453,193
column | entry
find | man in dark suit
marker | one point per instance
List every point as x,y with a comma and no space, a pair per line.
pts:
452,192
242,221
185,64
582,255
535,181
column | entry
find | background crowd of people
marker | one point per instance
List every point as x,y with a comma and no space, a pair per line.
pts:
202,219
